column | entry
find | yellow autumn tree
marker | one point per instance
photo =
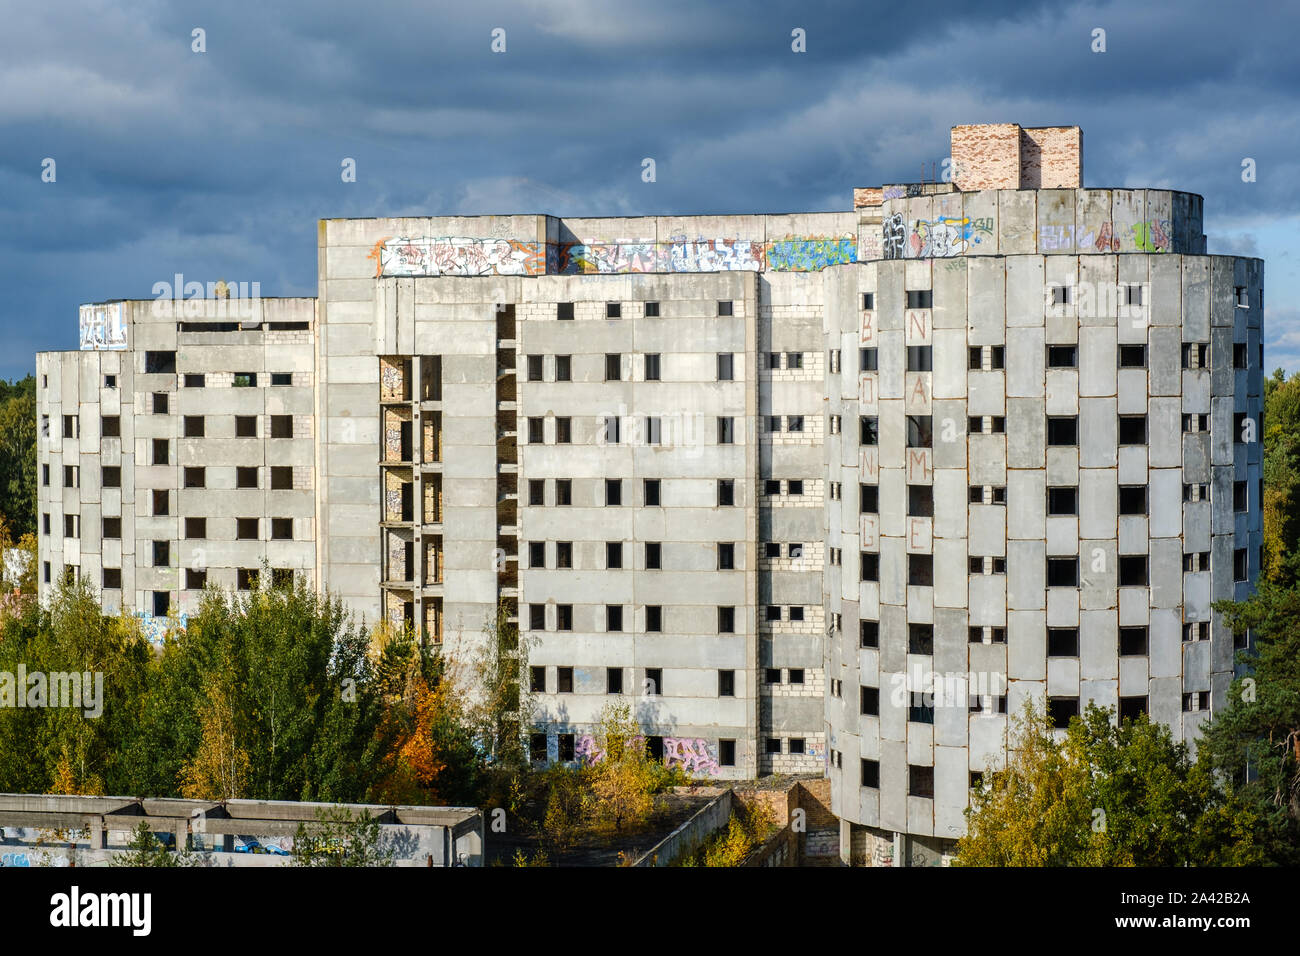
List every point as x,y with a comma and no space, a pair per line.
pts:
72,775
219,769
624,781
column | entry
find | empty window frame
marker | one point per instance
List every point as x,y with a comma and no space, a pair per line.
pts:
1063,356
1063,430
1132,356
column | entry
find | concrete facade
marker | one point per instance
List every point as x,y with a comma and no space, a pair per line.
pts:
183,460
679,448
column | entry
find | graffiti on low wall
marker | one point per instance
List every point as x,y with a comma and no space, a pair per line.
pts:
1153,235
947,236
812,254
893,236
611,258
457,256
715,255
102,327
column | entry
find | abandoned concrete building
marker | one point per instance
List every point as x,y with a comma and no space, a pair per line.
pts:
816,493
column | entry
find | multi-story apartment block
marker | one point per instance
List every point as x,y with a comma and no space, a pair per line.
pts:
183,460
827,492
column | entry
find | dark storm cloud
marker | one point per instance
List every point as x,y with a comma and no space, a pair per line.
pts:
218,164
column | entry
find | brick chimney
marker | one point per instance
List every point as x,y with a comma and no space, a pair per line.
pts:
1008,156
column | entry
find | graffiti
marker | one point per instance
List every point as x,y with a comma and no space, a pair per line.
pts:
608,258
156,628
809,254
1106,241
791,254
694,756
939,238
1052,238
393,504
893,236
474,257
458,256
391,380
397,570
14,859
715,255
586,751
869,246
101,327
892,192
1152,235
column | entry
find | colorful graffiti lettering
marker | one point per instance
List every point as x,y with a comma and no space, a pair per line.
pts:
473,257
693,756
458,256
715,255
792,254
893,236
612,258
810,254
941,238
1152,235
893,192
15,859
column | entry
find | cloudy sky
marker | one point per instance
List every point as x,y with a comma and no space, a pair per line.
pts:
218,164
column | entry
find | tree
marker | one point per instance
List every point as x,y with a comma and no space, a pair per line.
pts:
502,707
1255,741
566,802
623,782
1104,795
220,768
145,849
18,455
338,839
104,660
1281,505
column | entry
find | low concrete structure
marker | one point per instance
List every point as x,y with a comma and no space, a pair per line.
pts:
69,830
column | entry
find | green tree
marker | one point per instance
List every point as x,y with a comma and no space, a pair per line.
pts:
338,839
79,744
145,849
1106,794
18,455
1281,505
1255,741
502,706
